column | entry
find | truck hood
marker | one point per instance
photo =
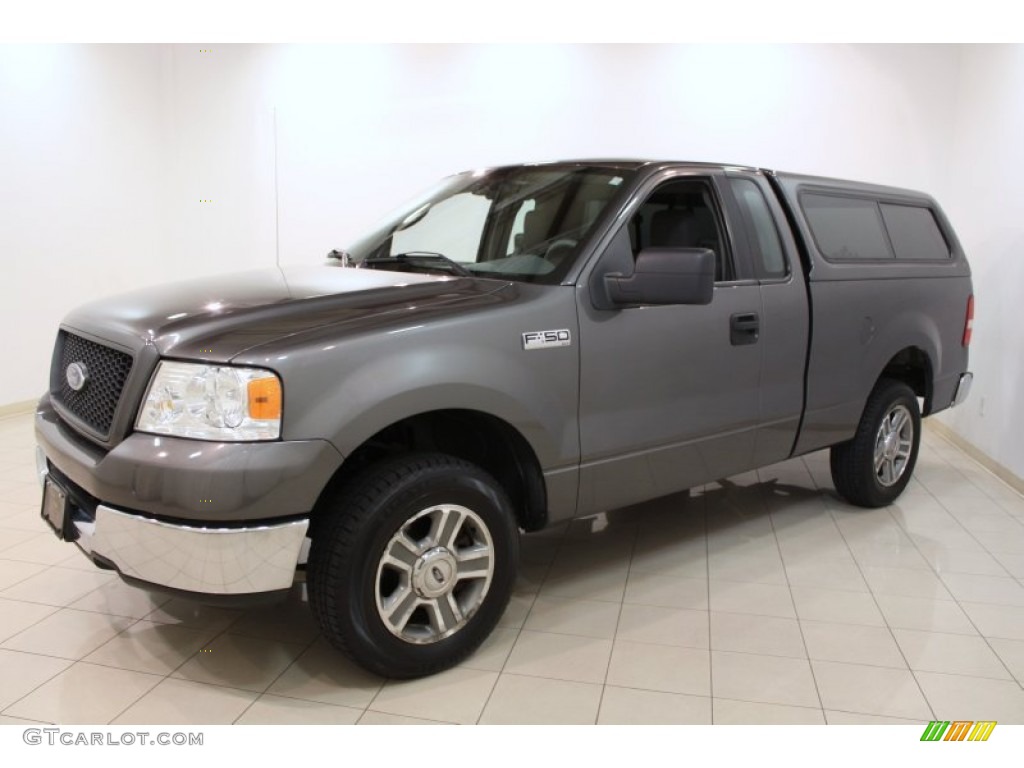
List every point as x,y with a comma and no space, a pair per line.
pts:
217,318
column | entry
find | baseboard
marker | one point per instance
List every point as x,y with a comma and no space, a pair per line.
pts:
17,409
1003,473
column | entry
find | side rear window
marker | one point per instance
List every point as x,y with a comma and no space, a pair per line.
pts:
846,228
914,233
770,258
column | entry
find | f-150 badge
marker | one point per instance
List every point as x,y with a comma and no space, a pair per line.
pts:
546,339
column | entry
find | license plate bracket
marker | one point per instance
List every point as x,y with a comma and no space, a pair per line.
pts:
56,510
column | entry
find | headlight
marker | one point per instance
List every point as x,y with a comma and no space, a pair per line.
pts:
212,402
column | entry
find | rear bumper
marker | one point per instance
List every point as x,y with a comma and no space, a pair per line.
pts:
963,388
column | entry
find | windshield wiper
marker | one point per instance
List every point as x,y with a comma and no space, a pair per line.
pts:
428,259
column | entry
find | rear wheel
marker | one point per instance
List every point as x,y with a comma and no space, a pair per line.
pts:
414,565
873,468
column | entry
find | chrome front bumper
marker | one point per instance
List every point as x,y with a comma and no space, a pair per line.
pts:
215,561
203,560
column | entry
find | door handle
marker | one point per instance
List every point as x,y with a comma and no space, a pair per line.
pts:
744,328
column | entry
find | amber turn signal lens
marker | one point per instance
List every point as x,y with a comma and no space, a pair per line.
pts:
265,398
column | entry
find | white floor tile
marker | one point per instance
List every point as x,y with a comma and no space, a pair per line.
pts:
763,568
280,710
951,654
870,690
629,706
16,616
248,663
747,633
985,589
85,693
838,606
494,651
1013,564
183,702
119,599
833,717
455,696
1004,621
44,548
758,599
904,582
371,717
10,537
519,700
57,586
147,646
323,674
1012,654
949,695
926,615
667,591
559,657
589,618
763,679
22,673
68,634
594,581
660,668
852,643
663,626
843,576
731,712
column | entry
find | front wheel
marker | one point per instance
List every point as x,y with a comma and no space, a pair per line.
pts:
873,468
414,564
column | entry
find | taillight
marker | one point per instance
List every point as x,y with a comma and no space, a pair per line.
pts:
969,321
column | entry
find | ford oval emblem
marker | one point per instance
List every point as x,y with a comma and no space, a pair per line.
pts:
76,374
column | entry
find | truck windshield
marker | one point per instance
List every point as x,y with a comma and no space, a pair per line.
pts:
523,223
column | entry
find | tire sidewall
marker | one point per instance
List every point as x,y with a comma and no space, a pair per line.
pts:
895,394
464,486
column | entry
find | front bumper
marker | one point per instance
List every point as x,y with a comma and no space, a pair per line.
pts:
205,518
206,561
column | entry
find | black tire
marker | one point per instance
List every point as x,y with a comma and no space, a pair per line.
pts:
346,575
853,463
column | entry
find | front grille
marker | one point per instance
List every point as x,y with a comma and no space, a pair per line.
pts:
107,371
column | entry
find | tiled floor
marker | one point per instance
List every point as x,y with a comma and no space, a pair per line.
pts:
761,599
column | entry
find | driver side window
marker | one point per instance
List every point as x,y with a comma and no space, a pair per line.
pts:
681,214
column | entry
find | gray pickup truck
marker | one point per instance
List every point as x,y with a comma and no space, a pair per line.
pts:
518,347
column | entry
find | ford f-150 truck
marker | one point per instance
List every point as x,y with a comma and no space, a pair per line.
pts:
518,347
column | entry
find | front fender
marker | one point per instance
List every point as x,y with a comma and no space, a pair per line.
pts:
538,402
347,389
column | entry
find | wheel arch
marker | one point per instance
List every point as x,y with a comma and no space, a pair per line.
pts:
481,438
913,366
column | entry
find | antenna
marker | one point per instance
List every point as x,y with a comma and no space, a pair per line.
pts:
277,217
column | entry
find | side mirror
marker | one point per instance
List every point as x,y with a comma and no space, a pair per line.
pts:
666,276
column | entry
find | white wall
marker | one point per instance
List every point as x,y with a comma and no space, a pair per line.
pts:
81,173
985,199
138,135
361,128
